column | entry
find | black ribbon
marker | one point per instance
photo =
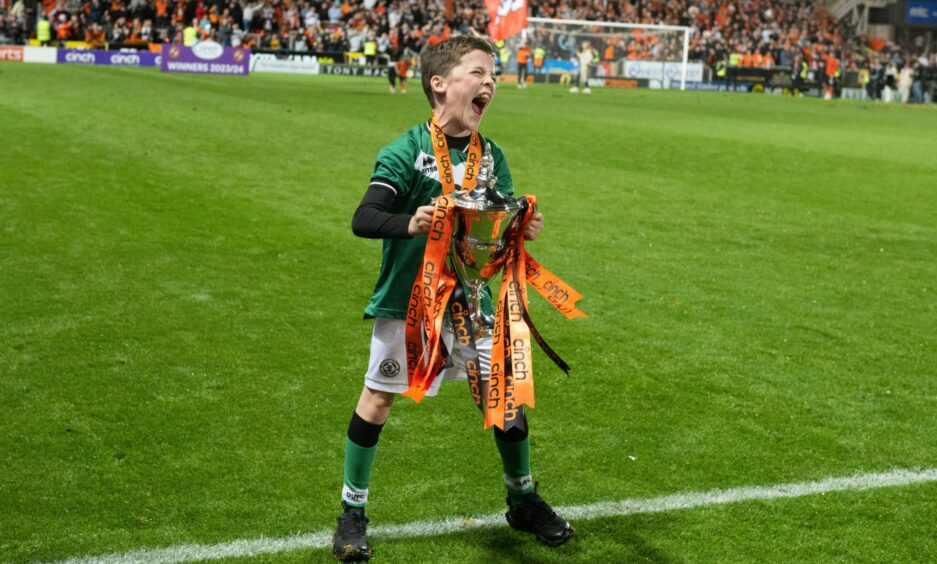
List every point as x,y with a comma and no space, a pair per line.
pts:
544,346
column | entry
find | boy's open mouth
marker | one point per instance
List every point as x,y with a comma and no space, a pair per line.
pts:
480,102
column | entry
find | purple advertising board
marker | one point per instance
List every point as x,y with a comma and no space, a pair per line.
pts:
206,57
922,12
113,58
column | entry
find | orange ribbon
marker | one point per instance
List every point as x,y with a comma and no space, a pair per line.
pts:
428,298
444,161
511,376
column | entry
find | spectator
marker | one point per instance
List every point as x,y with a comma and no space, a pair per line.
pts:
335,13
767,32
890,91
917,86
190,33
905,79
94,37
4,32
43,30
585,58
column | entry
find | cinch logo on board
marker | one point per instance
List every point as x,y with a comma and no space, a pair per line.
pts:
80,58
11,54
125,59
208,50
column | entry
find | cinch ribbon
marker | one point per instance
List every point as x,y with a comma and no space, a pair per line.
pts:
436,287
444,161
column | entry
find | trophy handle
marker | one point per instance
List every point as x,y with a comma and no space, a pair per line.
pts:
523,204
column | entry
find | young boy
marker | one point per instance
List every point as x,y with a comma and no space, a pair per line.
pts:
459,81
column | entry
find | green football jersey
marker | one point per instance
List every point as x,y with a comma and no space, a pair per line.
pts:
408,168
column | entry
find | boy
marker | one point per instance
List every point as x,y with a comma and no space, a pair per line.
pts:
459,81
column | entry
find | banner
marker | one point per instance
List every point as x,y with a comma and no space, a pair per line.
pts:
206,57
354,70
45,55
655,70
11,54
110,58
294,64
922,12
712,86
508,17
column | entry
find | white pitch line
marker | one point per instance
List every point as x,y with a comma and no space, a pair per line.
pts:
323,539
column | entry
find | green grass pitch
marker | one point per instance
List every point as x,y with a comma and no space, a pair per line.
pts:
181,343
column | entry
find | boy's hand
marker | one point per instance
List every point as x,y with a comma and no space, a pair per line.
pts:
533,226
421,221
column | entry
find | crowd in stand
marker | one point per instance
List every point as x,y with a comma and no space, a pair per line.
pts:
324,26
746,33
795,34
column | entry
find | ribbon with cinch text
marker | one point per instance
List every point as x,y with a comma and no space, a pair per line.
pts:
436,287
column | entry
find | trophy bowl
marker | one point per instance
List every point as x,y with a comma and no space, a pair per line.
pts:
479,247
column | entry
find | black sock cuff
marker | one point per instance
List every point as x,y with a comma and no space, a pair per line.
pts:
515,435
362,433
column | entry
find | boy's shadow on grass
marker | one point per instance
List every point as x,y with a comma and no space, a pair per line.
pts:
614,540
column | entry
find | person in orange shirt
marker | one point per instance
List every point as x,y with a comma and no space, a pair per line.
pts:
441,33
768,61
94,37
135,37
161,12
832,74
399,70
523,58
63,32
178,15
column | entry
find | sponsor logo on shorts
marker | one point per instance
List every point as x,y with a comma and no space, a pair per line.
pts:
390,368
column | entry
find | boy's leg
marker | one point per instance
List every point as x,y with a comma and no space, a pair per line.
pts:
364,430
514,447
383,381
527,511
350,542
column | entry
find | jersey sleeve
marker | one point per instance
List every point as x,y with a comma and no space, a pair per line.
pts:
393,167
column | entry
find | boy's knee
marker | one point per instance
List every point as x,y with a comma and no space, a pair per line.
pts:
379,398
373,405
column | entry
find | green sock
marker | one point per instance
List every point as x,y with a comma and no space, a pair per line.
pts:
515,457
357,473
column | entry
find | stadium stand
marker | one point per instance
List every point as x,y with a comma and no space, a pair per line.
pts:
799,35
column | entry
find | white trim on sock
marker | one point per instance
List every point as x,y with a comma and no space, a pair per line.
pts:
357,498
521,484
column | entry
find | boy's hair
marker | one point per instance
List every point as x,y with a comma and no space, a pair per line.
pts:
439,59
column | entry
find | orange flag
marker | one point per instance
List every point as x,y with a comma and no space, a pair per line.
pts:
508,17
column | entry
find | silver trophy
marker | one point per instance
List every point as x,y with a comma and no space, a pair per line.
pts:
479,246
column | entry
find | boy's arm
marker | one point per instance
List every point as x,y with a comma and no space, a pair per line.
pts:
373,221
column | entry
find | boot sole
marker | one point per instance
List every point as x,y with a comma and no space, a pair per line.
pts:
349,553
544,540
